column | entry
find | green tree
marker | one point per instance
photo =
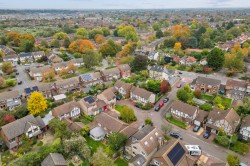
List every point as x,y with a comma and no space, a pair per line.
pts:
217,100
83,33
66,42
94,32
116,141
91,58
206,107
148,121
55,43
154,86
182,95
101,159
26,45
139,63
7,67
192,42
233,159
105,31
59,128
60,35
215,58
159,34
166,128
245,108
127,114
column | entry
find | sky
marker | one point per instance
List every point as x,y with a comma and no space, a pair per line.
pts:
121,4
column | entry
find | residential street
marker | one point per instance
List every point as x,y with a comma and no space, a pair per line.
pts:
210,149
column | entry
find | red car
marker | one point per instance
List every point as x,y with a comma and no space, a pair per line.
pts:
161,104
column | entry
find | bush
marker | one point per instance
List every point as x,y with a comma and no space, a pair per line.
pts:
148,121
240,147
206,107
10,83
222,140
40,143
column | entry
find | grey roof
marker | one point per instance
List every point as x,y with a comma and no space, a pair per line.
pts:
69,81
97,132
9,95
20,126
54,159
28,54
138,160
38,53
139,135
161,69
65,108
207,81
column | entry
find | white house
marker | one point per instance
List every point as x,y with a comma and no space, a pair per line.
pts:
153,56
13,58
38,55
160,73
245,128
67,110
142,95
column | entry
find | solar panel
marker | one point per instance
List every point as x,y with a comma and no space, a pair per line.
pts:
176,154
89,99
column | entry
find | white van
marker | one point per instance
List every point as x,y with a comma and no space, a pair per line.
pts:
194,150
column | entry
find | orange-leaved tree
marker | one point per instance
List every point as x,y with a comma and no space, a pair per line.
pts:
81,46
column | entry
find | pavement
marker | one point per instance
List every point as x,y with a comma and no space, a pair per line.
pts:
213,151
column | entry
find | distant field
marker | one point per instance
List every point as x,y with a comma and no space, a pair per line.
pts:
33,30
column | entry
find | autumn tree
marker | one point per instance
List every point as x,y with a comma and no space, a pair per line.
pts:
139,63
109,49
60,35
2,82
99,39
179,31
8,118
215,58
81,46
127,31
2,54
105,31
94,32
63,72
37,103
82,33
128,49
127,114
7,67
177,46
48,74
71,68
165,86
91,58
100,158
13,37
233,63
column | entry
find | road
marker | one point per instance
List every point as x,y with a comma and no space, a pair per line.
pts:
214,152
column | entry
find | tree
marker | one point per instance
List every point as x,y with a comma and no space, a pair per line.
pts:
91,58
159,34
165,87
197,94
153,86
76,145
127,31
182,95
48,74
105,31
71,68
7,67
44,43
26,45
101,159
233,159
192,42
166,128
215,58
148,121
55,43
233,63
2,82
63,72
170,42
37,103
127,114
109,49
177,46
82,33
59,128
245,108
179,31
81,46
8,118
128,49
2,54
60,35
139,63
66,42
116,141
217,100
206,107
94,32
99,39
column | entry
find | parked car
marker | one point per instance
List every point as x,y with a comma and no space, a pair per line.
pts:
166,100
178,86
176,135
17,73
138,105
19,82
196,128
118,97
207,134
161,104
180,72
157,108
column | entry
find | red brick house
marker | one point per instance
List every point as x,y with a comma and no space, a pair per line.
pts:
206,85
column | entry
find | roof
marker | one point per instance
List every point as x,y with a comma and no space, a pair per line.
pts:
207,81
131,129
125,86
111,71
231,84
65,108
31,90
124,67
62,64
183,107
143,132
246,121
20,126
69,81
77,60
190,58
38,53
141,92
9,95
161,69
54,159
108,94
138,160
59,97
39,69
201,115
109,122
97,132
28,54
90,76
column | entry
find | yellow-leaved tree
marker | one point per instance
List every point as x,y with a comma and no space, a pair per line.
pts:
37,103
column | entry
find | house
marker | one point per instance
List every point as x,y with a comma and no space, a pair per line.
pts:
226,120
68,110
184,112
235,89
92,106
200,119
54,159
109,123
97,133
9,100
54,59
67,85
206,85
90,79
77,62
153,56
142,95
111,74
37,72
60,66
46,89
38,55
245,128
154,45
26,57
203,62
28,91
187,61
125,70
73,126
108,97
173,153
123,88
168,58
160,73
7,50
29,125
141,52
141,147
176,59
13,58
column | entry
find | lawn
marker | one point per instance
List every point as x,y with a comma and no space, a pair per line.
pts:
94,145
84,70
177,123
207,97
85,163
226,102
121,162
119,107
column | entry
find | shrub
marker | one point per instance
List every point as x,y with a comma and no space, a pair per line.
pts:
206,107
148,121
197,94
40,143
10,82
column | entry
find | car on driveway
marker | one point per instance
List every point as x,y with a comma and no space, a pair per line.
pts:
157,108
196,128
138,105
166,100
176,135
161,104
207,134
